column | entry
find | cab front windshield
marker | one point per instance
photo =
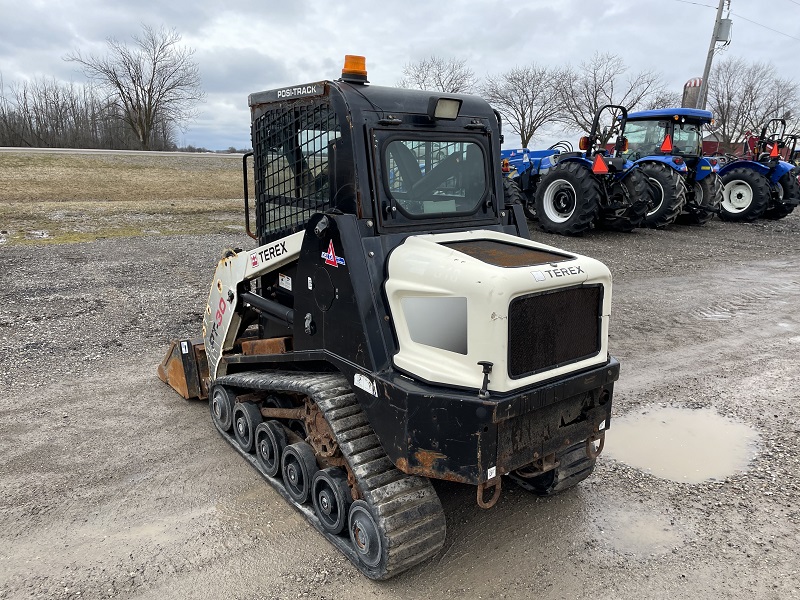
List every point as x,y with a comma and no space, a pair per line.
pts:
434,177
646,137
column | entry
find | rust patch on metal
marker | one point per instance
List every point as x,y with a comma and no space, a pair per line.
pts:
283,413
170,371
267,346
320,434
495,485
426,467
426,458
429,470
591,452
502,254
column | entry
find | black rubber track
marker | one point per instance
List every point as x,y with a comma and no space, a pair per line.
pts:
406,508
791,197
759,186
634,190
710,188
574,466
667,208
587,198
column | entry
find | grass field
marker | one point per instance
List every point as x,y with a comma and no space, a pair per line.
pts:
78,197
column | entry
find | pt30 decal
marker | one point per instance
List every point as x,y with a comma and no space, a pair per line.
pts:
221,308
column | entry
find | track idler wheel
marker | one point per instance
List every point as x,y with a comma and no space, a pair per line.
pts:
220,402
298,465
332,499
270,442
368,541
246,418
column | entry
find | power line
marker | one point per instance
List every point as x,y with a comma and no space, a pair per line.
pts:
765,27
696,3
795,2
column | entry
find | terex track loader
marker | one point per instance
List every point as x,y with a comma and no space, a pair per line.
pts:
396,324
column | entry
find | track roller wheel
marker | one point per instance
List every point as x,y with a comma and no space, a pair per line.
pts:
220,402
270,442
332,499
246,417
368,540
298,465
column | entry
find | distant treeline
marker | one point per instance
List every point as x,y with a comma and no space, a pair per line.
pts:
45,113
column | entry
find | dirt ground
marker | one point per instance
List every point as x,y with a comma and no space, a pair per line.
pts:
113,486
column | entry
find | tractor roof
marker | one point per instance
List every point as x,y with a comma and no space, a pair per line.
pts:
704,116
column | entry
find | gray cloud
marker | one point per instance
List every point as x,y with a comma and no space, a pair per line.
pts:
244,48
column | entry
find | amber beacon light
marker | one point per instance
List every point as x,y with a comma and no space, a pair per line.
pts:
355,69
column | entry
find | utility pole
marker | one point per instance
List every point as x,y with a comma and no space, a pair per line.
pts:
701,97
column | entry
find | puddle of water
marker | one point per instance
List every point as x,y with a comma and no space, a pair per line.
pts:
638,532
680,444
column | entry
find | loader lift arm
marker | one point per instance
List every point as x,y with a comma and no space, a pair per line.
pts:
223,317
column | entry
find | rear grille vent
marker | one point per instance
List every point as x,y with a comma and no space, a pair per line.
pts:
552,329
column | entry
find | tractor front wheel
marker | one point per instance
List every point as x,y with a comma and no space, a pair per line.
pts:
745,196
669,194
567,199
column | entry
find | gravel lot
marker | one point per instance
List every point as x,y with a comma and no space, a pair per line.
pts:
113,486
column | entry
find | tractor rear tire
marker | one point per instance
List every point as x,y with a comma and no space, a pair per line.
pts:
706,193
789,195
669,194
746,195
567,199
635,189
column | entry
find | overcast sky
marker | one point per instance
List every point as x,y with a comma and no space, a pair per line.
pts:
255,46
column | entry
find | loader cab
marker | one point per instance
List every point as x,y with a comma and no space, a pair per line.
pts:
400,160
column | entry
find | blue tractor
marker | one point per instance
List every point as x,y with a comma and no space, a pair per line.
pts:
570,192
760,183
524,168
667,144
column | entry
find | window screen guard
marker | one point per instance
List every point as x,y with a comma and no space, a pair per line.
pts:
292,148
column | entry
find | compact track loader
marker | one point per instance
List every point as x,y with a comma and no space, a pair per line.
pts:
395,324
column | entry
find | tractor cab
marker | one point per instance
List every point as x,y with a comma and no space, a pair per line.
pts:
668,144
674,132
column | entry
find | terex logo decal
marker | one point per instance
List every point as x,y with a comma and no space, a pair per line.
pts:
564,272
331,258
268,254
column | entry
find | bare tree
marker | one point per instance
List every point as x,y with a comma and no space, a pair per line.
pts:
449,75
744,96
154,83
604,80
526,96
662,99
